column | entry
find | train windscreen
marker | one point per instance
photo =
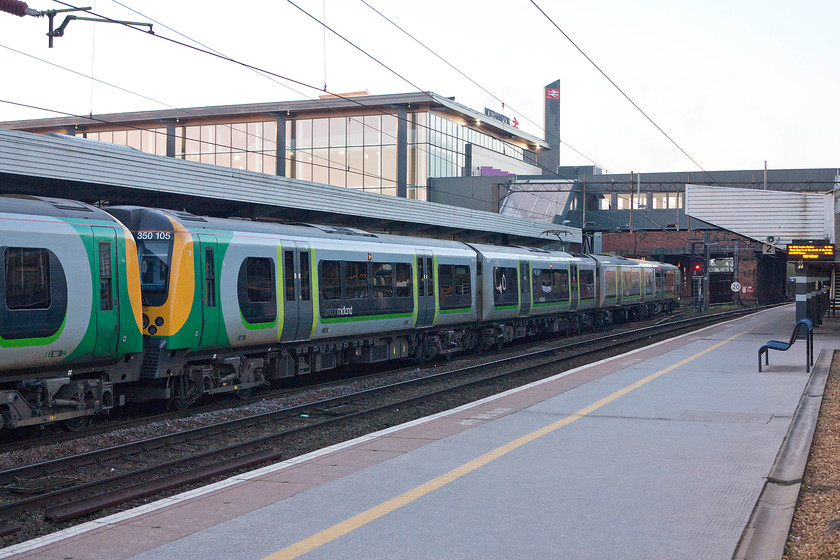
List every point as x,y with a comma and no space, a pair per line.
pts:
155,258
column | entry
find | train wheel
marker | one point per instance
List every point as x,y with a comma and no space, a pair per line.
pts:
419,354
80,422
185,393
245,393
76,424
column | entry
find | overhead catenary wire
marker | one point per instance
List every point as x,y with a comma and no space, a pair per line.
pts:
207,50
621,91
263,71
484,89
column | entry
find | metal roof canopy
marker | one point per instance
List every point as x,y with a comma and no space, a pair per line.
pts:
770,217
103,173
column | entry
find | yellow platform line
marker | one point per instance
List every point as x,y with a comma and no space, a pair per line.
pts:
336,531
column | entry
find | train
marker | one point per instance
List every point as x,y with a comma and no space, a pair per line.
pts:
100,307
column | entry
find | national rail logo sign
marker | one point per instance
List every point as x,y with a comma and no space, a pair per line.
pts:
552,93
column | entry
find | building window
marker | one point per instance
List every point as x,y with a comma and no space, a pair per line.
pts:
623,201
605,202
659,201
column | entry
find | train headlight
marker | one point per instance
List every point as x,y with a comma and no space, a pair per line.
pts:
145,320
159,321
152,330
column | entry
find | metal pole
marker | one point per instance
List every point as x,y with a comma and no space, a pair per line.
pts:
706,248
765,174
631,202
583,220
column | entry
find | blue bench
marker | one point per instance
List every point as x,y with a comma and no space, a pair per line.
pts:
805,325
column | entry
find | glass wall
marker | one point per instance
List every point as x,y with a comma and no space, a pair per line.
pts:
151,141
357,152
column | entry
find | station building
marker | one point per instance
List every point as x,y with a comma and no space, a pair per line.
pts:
387,144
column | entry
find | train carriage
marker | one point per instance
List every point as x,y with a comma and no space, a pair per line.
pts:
69,311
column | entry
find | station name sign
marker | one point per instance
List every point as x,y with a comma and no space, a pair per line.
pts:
810,250
498,116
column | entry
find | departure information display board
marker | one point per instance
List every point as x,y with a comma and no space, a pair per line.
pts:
810,250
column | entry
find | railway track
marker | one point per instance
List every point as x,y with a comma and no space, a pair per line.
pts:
67,488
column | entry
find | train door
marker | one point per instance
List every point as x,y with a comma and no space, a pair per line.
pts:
209,295
297,281
425,289
108,306
574,286
524,288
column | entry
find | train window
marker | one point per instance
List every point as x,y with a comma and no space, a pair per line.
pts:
357,280
587,284
383,280
610,283
255,289
626,282
106,303
209,277
445,279
403,280
35,293
305,290
648,274
27,278
505,286
259,279
289,274
329,280
430,278
463,283
551,285
455,286
421,278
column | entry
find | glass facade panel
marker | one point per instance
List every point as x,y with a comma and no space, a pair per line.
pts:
270,136
355,164
389,166
119,137
338,132
320,133
321,165
303,133
223,138
338,165
371,130
148,139
371,169
355,131
133,139
389,130
303,164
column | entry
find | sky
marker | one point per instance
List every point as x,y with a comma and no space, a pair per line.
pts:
733,83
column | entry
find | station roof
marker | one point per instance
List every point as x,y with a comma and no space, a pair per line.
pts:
107,174
771,217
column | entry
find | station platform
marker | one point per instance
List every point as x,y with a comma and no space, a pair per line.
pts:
660,453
